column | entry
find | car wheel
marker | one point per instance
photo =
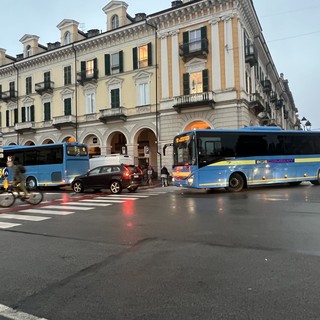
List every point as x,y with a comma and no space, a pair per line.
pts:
115,187
236,183
77,186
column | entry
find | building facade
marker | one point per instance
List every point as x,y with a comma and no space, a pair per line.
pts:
131,88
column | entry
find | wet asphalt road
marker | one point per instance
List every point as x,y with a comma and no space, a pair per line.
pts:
168,254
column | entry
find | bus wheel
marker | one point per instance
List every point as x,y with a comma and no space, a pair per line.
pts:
31,183
236,183
115,187
316,182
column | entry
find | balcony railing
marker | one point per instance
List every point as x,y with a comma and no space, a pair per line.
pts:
266,85
11,95
64,121
85,76
194,100
25,127
44,87
251,54
256,103
194,48
113,114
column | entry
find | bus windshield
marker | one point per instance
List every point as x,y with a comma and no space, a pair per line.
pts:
184,152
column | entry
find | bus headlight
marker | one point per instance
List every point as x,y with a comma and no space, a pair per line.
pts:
190,180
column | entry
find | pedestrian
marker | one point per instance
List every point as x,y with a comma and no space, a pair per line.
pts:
150,174
164,176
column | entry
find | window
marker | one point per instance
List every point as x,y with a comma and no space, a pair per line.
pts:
12,89
67,106
90,103
28,85
27,113
114,22
195,40
11,117
47,111
142,56
144,94
67,75
196,82
114,63
28,51
89,69
67,38
47,80
115,98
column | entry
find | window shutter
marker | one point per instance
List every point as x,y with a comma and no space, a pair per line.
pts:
95,68
16,120
135,58
23,114
121,61
149,54
67,107
203,31
185,43
47,113
83,70
186,84
7,118
32,113
205,80
107,64
115,98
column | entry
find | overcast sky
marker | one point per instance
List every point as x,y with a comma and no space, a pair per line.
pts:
291,29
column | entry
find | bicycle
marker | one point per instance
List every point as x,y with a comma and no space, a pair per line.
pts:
9,195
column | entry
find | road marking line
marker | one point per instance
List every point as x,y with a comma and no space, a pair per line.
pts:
23,217
117,197
122,195
16,315
64,206
105,201
40,211
89,204
7,225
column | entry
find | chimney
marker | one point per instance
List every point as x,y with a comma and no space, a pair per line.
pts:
93,32
140,16
176,3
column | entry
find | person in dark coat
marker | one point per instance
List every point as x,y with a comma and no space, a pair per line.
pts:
164,176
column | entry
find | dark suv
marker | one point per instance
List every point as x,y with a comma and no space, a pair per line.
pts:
113,177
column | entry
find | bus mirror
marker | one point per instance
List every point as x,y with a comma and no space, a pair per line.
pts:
165,147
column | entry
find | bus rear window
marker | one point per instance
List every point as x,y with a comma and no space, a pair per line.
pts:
77,151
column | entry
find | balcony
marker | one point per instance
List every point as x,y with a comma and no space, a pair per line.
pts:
44,87
256,103
113,114
194,48
273,96
251,54
8,96
279,104
266,86
25,127
194,100
64,121
84,76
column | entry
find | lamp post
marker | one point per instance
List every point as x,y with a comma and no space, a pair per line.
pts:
306,124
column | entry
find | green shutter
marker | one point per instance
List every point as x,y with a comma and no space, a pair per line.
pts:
95,68
205,80
107,64
135,58
47,111
83,70
115,98
203,38
186,84
32,113
149,54
16,120
121,61
7,118
67,107
185,43
23,114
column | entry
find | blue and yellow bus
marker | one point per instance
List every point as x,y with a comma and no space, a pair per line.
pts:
47,165
237,159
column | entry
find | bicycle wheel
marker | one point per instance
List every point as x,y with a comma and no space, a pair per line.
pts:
7,199
35,197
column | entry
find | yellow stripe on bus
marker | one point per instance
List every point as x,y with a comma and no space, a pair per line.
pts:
233,163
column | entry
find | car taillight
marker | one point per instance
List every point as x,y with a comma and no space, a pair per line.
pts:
126,173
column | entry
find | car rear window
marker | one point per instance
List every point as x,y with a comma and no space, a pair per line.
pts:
133,169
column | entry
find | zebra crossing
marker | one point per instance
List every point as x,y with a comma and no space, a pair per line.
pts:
38,214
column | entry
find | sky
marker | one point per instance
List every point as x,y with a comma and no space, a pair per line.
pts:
291,29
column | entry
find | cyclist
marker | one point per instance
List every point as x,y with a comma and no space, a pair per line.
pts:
18,177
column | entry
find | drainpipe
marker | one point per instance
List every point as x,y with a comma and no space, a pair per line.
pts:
17,98
156,82
76,89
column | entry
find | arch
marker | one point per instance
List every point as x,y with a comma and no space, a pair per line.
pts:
68,139
67,38
29,143
94,144
117,142
197,124
47,141
114,21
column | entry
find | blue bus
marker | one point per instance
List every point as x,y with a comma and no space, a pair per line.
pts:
53,165
251,156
